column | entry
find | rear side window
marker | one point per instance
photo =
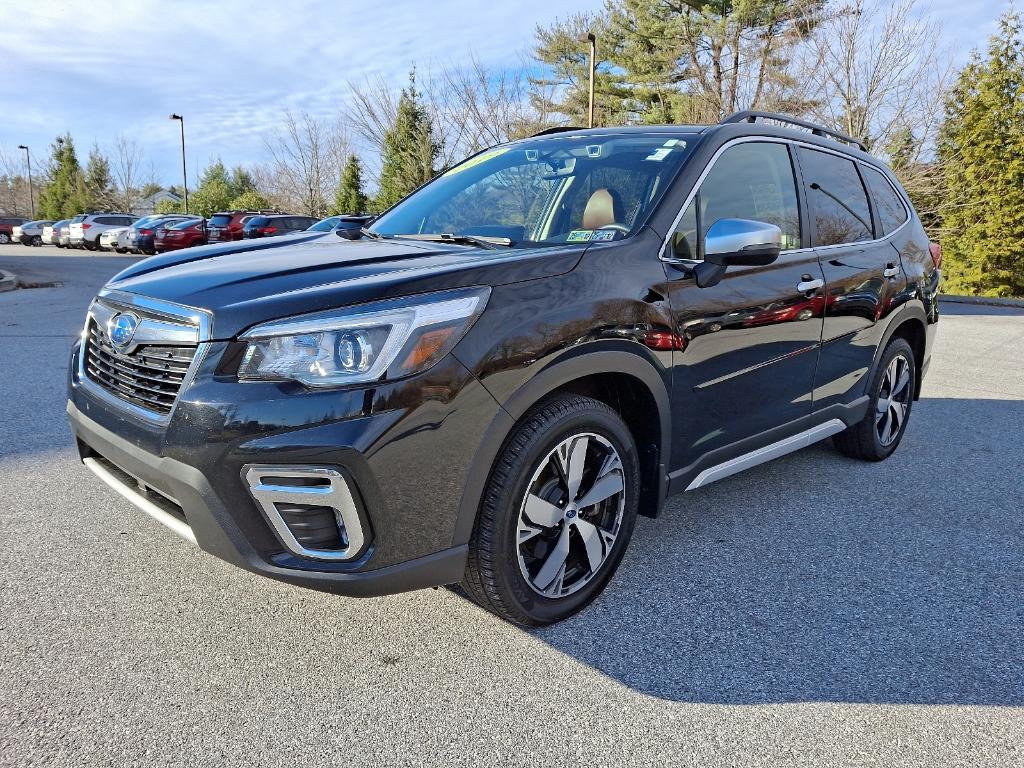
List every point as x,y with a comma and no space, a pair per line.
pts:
256,221
105,220
79,219
836,198
892,213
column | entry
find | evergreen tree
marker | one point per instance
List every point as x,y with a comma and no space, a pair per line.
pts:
241,181
95,188
214,193
409,151
250,200
981,149
58,198
349,197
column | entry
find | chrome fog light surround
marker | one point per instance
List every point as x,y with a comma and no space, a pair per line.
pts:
331,490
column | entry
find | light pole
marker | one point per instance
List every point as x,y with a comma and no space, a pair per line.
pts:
592,39
31,196
184,173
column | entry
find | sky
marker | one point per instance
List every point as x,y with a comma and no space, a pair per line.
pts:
100,68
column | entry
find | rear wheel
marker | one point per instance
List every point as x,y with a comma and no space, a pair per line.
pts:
557,513
4,238
892,389
37,241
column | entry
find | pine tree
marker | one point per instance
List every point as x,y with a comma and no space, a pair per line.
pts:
58,198
410,150
214,193
349,197
95,188
981,148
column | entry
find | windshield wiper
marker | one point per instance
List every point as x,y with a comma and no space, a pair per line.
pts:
450,237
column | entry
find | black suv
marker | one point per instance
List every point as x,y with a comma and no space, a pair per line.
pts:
512,363
276,224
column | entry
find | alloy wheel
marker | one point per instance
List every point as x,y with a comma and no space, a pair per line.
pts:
893,400
571,515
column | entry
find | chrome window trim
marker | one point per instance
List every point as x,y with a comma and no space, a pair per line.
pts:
666,244
198,318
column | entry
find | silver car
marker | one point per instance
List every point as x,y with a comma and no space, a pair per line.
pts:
51,233
31,232
86,228
110,238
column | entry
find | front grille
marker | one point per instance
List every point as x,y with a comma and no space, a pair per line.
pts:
149,377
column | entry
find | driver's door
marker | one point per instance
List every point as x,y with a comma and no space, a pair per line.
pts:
752,340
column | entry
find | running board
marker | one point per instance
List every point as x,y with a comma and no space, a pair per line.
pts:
769,452
180,527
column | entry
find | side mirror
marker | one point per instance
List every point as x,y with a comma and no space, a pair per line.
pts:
737,242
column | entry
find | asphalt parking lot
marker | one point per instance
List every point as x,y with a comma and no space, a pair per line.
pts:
812,611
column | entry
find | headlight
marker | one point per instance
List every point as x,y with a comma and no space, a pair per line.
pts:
363,344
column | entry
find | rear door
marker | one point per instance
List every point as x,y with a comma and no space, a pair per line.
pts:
751,341
862,273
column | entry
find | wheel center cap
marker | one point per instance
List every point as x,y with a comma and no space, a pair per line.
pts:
570,513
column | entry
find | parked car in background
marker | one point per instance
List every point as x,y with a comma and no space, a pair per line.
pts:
146,237
86,228
51,232
278,224
141,234
225,226
126,239
184,234
31,232
7,225
108,240
64,234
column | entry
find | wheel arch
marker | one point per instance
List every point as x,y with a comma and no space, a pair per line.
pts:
626,381
909,324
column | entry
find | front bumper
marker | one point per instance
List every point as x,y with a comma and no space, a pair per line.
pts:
407,448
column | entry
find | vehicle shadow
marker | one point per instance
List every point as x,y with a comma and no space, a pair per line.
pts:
821,578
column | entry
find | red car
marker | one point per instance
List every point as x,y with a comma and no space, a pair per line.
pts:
184,234
225,226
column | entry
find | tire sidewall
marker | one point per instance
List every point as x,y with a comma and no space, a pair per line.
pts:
509,499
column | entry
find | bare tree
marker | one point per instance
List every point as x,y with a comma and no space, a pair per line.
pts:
873,70
126,167
307,154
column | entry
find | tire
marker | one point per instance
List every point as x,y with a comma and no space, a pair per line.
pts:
93,246
4,238
36,241
512,552
892,388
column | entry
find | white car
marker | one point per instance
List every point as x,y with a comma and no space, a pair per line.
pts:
86,228
31,232
111,237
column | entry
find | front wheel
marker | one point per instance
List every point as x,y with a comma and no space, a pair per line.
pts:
892,389
557,513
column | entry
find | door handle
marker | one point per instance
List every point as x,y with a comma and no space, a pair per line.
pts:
806,286
891,270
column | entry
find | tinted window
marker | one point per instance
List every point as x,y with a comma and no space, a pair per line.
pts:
326,225
836,197
891,211
257,221
183,224
105,220
752,180
220,220
78,219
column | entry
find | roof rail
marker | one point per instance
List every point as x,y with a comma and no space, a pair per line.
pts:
751,115
556,129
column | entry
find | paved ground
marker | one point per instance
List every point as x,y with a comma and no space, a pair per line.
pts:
814,611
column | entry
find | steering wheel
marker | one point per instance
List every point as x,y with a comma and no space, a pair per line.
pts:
617,227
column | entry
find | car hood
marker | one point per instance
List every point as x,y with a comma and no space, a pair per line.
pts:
243,286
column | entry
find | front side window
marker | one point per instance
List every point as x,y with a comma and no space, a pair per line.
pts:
836,198
751,180
891,211
544,191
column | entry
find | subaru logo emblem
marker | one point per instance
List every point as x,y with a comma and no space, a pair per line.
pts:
121,328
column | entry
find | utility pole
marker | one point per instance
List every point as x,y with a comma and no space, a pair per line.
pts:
31,196
184,172
592,39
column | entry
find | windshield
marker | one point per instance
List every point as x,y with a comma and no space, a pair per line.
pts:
573,189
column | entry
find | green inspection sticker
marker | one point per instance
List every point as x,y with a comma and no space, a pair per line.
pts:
580,236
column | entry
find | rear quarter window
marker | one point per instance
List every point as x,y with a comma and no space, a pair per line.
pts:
892,213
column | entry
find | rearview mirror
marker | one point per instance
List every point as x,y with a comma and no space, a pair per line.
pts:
737,242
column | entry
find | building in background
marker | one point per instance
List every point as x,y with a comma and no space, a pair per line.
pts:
148,205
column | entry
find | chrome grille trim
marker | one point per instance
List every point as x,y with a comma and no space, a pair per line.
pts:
145,378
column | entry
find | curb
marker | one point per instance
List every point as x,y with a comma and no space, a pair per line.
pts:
8,281
992,301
